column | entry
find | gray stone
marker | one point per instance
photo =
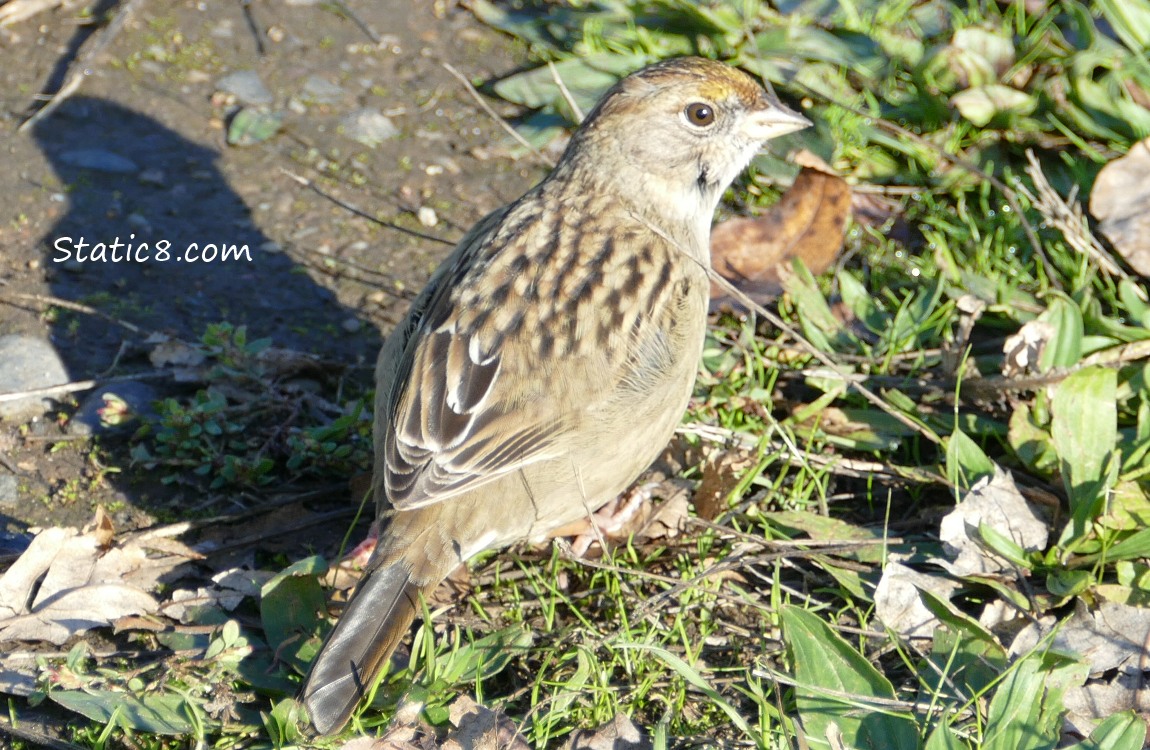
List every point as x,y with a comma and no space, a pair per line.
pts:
99,160
246,86
369,126
27,363
319,90
114,408
9,491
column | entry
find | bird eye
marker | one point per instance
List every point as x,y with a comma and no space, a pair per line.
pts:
700,114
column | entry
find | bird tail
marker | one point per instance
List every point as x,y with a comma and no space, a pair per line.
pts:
377,617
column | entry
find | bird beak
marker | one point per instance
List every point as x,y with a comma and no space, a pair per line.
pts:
774,120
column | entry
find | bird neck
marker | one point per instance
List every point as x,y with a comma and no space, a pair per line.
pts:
680,214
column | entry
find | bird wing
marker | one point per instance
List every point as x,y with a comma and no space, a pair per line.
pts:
457,420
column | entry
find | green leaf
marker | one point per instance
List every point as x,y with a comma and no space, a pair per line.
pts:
945,738
292,605
1084,427
484,657
1124,731
1065,348
1130,20
983,105
586,78
861,302
154,713
1133,547
833,683
1026,710
252,126
688,673
965,461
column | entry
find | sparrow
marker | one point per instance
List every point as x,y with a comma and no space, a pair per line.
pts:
550,357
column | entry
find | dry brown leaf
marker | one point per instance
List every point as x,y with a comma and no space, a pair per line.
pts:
67,582
722,472
1120,200
618,734
64,585
808,223
1111,639
899,604
1023,350
480,728
996,503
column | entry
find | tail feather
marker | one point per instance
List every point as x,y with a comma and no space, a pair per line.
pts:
378,616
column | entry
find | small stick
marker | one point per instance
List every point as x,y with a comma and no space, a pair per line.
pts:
52,391
495,116
358,211
83,64
575,108
374,37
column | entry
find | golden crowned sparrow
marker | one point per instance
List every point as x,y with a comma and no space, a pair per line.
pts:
551,356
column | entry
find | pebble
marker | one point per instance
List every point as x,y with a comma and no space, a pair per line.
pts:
369,126
99,160
9,491
127,402
246,86
427,216
153,176
321,91
26,363
352,325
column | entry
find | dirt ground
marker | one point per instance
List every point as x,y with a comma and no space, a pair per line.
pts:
320,279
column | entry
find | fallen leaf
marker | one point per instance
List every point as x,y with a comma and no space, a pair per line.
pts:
1111,639
899,605
618,734
722,472
66,583
994,502
808,223
54,591
480,728
1120,200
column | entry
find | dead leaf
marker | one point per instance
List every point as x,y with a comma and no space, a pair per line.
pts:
480,728
63,585
994,502
1120,200
722,472
808,223
1023,350
1112,640
898,602
67,582
618,734
406,732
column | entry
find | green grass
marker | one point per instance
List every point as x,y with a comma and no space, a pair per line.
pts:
760,627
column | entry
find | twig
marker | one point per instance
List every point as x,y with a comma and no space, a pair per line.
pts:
841,465
359,212
33,738
253,27
82,66
575,108
495,116
74,306
78,385
1066,216
370,32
